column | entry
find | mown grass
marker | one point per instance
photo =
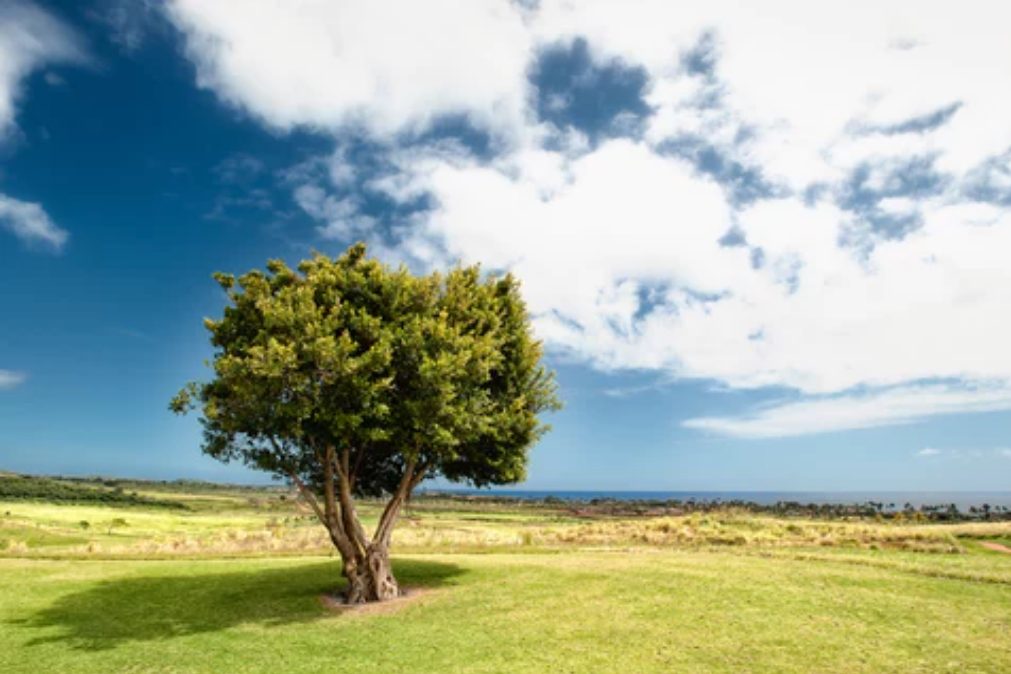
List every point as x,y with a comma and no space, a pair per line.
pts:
648,611
231,583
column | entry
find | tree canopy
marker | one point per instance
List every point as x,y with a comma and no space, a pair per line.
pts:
350,378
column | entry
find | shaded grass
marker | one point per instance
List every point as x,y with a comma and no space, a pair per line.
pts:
160,604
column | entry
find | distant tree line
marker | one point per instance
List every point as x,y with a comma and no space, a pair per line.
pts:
31,488
181,486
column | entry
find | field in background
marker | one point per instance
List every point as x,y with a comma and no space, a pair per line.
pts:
157,520
186,578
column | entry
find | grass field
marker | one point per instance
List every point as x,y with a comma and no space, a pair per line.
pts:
232,583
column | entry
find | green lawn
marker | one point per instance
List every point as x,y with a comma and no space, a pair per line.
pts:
231,582
577,611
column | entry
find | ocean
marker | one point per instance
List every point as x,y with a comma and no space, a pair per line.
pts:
962,499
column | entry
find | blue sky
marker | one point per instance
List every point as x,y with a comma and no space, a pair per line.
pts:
758,260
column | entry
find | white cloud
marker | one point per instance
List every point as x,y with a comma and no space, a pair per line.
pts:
959,453
619,251
10,379
340,216
29,39
819,90
30,223
590,236
852,411
386,66
800,75
619,245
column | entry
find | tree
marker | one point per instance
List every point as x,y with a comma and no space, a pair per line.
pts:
349,378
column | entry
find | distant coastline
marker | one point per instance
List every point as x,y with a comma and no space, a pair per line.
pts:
964,500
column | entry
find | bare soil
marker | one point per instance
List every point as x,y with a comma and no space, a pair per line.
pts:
990,545
409,596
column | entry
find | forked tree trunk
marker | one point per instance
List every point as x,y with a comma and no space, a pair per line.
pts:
366,563
368,572
370,577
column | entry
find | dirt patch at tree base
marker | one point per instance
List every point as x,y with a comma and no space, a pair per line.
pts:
409,595
989,545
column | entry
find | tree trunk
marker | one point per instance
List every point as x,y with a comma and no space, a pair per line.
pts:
370,577
366,564
369,574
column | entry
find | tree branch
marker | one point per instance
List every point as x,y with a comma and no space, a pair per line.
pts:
353,475
352,525
337,535
306,493
389,517
309,497
328,488
418,477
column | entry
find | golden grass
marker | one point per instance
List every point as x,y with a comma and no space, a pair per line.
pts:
43,530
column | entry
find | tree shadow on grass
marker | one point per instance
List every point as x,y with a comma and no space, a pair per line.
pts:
163,607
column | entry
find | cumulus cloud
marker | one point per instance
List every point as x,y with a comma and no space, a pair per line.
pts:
896,406
10,379
802,76
622,256
384,66
810,197
30,223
